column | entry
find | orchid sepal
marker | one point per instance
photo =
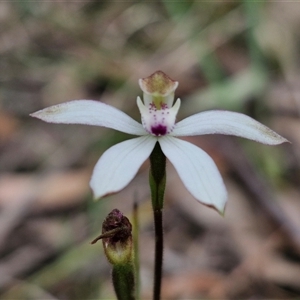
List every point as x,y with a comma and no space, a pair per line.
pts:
227,123
90,112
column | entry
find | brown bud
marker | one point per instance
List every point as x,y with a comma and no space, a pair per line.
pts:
116,238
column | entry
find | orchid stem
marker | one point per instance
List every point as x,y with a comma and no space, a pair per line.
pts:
159,243
157,179
124,281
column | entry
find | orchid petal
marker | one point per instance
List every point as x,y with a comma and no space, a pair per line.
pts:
197,171
90,112
229,123
119,164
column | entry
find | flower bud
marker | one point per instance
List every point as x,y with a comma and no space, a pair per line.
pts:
116,238
117,243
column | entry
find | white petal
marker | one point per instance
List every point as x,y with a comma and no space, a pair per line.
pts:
119,164
197,171
90,112
227,122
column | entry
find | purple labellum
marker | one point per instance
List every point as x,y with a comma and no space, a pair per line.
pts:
159,130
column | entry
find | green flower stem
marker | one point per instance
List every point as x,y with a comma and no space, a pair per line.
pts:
157,179
123,281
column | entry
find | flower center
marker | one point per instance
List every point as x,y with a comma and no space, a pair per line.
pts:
158,120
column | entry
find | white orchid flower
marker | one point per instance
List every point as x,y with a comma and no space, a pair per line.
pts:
120,163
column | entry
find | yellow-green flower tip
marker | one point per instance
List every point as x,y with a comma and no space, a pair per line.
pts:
158,84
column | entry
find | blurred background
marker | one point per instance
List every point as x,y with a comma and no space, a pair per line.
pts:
236,55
